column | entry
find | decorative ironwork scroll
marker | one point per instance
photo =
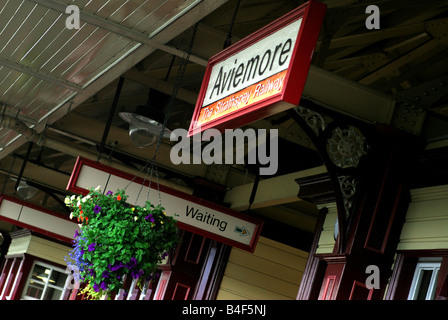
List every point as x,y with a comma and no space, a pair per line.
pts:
342,146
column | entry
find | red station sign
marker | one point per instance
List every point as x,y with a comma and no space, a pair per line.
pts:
262,74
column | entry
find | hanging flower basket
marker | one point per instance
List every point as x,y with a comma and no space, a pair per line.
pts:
117,240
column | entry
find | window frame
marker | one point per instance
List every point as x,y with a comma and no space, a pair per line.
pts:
432,264
46,285
404,270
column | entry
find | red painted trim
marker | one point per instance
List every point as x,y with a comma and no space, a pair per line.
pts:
4,275
259,223
180,285
32,227
329,286
10,281
363,286
17,281
199,254
163,283
313,14
74,177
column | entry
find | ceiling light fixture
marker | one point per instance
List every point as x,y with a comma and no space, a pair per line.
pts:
26,191
146,123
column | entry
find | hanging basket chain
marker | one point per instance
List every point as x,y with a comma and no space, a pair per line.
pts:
152,162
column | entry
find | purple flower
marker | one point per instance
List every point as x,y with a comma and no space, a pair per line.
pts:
106,274
97,287
76,234
97,209
131,264
164,255
150,217
92,272
137,274
92,246
109,193
116,266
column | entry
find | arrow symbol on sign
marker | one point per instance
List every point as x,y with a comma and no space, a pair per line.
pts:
242,231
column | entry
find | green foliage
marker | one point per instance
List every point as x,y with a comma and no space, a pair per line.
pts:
117,239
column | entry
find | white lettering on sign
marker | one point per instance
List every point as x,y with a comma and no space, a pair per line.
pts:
259,61
206,218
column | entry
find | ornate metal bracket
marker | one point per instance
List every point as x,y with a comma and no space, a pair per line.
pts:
342,147
346,146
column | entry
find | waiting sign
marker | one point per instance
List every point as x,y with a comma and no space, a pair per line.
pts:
194,214
260,75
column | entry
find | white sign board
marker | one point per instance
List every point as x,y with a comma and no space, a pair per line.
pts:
192,213
35,218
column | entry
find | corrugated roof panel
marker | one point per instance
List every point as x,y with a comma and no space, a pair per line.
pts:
44,98
92,56
83,54
94,6
48,27
49,45
165,15
35,37
132,18
31,32
11,17
117,11
80,48
13,31
104,60
22,92
12,85
7,137
44,65
8,78
31,97
57,51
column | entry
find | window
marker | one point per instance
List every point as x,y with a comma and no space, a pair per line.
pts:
45,282
424,283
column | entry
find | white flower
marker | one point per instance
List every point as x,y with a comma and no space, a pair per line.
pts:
78,203
67,200
72,197
135,218
71,215
97,188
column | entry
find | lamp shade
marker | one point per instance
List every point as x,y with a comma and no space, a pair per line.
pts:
143,131
146,123
26,192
